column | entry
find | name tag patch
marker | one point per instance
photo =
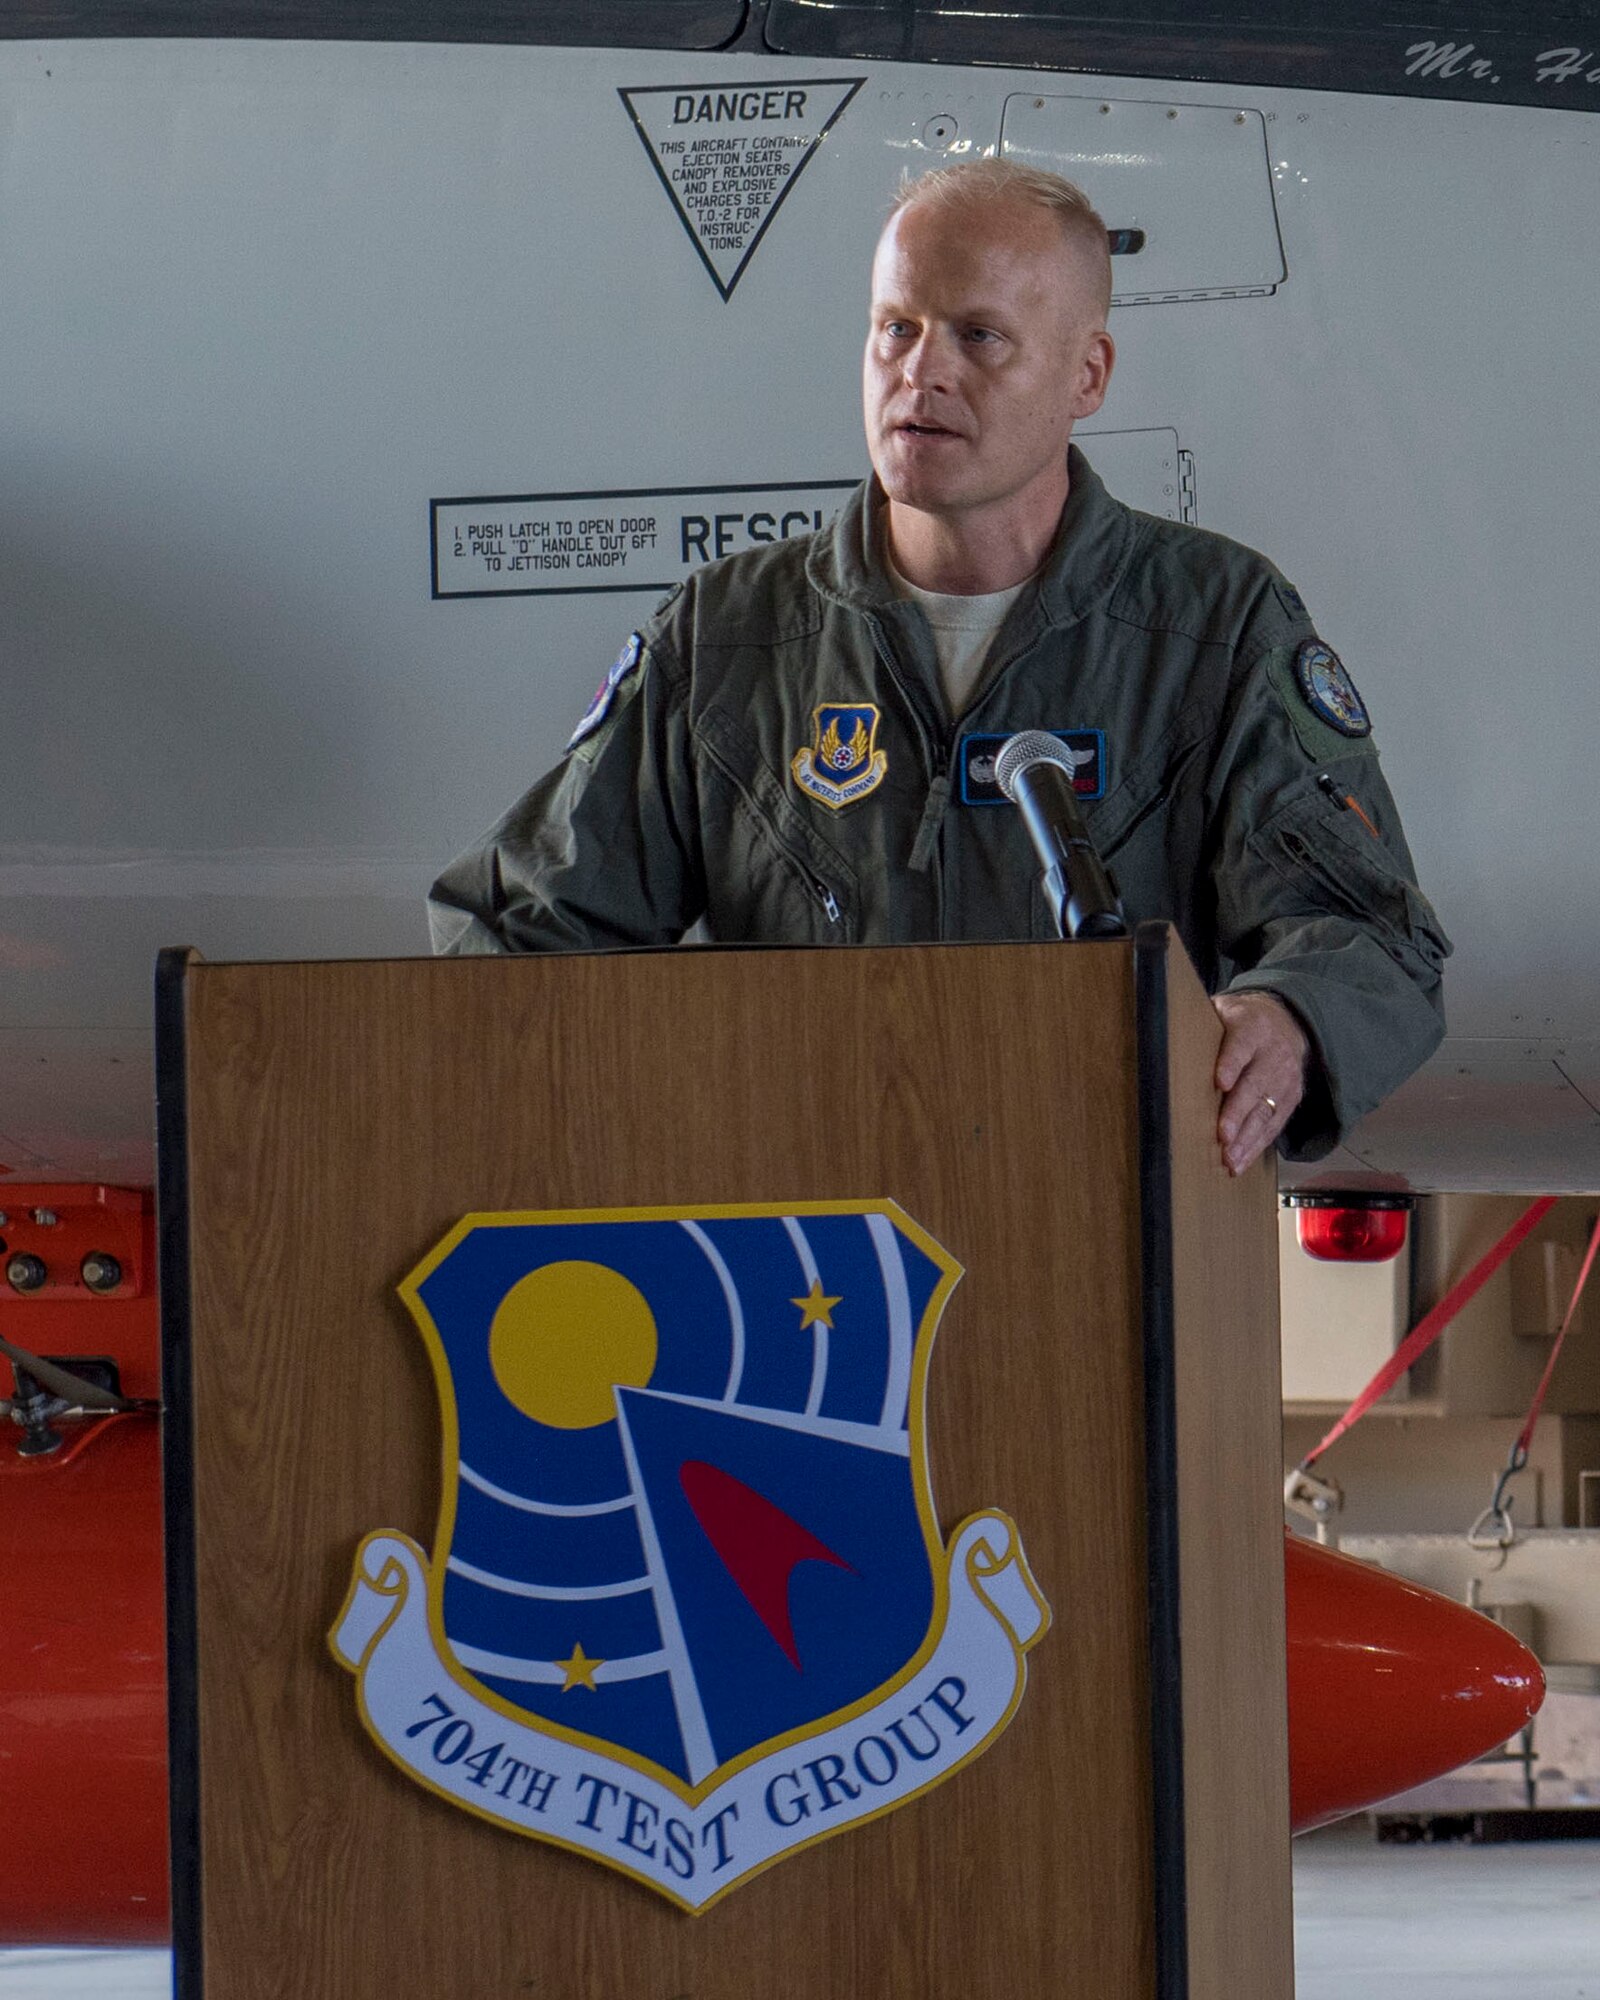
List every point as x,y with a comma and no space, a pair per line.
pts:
975,764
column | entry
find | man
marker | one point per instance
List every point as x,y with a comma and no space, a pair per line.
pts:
798,746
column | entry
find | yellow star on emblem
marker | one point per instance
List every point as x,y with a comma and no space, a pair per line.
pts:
816,1307
579,1671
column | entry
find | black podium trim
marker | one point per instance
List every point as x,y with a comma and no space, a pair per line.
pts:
1151,945
177,1469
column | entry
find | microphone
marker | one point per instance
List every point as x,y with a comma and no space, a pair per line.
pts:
1034,770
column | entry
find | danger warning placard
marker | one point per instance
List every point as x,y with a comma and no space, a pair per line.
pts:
728,154
550,544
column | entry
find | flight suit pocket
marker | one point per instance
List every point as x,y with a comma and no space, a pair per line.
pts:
1153,813
1350,872
770,880
1159,786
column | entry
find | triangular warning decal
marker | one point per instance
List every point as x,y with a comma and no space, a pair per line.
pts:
728,154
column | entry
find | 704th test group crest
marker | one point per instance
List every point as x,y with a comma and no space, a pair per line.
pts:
688,1608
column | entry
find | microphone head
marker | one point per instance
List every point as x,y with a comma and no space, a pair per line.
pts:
1028,747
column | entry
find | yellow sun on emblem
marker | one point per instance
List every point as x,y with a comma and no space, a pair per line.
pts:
566,1337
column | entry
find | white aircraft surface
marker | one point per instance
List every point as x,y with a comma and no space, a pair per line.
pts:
358,397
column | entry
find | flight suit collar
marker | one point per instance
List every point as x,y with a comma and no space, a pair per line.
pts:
1088,555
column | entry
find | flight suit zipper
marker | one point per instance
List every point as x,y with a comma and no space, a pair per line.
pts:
819,889
936,747
938,750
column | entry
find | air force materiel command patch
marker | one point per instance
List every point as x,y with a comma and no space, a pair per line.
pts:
842,762
1328,690
599,708
688,1608
975,763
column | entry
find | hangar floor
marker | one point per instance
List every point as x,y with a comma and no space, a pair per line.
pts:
1444,1923
1371,1923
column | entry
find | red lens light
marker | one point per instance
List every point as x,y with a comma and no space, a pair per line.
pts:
1351,1235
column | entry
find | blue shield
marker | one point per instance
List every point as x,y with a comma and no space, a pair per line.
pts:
685,1499
844,739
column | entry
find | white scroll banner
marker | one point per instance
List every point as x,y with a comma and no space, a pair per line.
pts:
428,1719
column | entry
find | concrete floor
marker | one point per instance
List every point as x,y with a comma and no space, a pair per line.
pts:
85,1975
1444,1923
1371,1923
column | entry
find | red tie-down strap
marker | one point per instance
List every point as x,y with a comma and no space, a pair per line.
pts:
1428,1329
1493,1528
1519,1450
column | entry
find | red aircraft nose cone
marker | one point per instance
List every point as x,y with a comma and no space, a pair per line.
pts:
1389,1684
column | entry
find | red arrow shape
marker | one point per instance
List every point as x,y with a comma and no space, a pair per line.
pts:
759,1544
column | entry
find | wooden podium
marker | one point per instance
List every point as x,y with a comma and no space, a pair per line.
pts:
1106,1372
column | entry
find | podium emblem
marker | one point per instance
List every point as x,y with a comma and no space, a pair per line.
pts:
688,1608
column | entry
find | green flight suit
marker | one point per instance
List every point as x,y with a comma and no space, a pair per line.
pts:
702,785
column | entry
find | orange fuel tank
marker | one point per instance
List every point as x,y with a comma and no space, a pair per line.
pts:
83,1700
1389,1684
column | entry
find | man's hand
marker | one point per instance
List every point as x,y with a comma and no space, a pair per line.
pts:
1261,1072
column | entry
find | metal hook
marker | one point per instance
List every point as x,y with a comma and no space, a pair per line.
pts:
1499,1535
1502,1531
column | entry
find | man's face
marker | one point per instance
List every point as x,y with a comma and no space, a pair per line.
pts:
984,347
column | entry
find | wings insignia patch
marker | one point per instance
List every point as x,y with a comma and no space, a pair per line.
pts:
975,762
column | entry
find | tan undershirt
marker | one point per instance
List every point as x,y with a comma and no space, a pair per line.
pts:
964,630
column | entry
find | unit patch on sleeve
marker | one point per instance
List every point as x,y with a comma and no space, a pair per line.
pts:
975,765
842,762
600,707
1328,690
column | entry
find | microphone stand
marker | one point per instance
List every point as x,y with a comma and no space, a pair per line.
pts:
1034,771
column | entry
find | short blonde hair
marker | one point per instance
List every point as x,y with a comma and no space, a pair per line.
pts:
976,184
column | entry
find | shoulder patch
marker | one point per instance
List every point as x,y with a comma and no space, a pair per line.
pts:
1320,740
599,708
1328,691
